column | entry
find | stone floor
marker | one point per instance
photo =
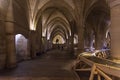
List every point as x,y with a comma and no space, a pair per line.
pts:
54,65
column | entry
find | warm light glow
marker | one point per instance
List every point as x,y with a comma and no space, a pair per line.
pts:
107,33
48,36
75,39
44,32
32,26
60,38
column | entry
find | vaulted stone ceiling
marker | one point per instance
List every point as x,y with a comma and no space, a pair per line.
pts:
62,16
55,16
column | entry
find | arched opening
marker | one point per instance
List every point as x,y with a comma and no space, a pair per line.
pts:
21,44
58,39
58,42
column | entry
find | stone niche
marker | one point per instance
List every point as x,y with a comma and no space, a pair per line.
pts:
21,47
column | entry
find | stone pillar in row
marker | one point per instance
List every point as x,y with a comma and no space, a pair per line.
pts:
88,40
115,29
49,44
28,49
80,40
99,40
39,38
32,42
71,44
45,42
66,44
72,36
10,38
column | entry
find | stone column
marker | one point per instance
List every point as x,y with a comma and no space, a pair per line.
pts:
71,44
99,40
72,23
115,29
49,44
88,41
45,44
67,44
32,40
28,49
39,37
92,46
10,38
81,39
2,45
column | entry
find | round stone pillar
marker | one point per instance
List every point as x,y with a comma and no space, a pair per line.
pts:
11,55
80,40
70,44
10,38
99,40
45,44
88,41
67,44
32,40
115,29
